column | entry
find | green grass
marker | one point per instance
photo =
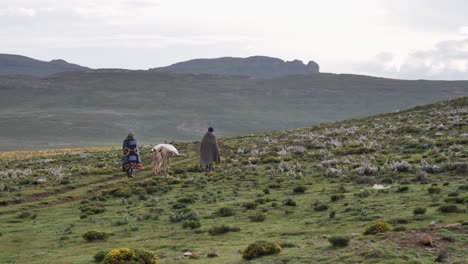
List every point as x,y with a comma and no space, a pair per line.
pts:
43,223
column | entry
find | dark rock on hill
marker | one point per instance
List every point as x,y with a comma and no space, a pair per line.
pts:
256,66
21,65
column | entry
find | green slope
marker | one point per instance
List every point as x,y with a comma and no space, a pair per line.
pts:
99,107
420,154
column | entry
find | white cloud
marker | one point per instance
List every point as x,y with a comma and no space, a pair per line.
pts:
337,34
446,60
18,11
464,30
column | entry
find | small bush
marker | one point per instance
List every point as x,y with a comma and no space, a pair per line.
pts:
179,206
399,229
402,189
24,215
449,208
195,168
99,256
90,209
332,214
289,202
95,235
192,224
249,205
118,192
339,241
434,190
258,217
128,255
260,248
400,166
225,212
186,200
320,207
222,229
363,194
183,215
337,197
447,237
419,211
300,189
270,159
379,227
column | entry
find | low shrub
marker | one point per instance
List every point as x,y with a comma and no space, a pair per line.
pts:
225,212
128,255
186,200
289,202
195,168
337,197
258,217
419,211
179,206
434,190
320,207
379,227
458,200
24,215
270,159
402,189
99,256
363,194
449,208
91,236
183,215
399,229
400,166
249,205
118,192
222,229
90,209
259,249
192,224
339,241
300,189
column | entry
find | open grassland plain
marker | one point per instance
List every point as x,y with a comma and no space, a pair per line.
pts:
390,188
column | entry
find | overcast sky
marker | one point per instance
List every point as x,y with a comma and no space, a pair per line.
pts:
411,39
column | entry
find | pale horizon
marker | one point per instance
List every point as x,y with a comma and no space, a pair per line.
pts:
394,39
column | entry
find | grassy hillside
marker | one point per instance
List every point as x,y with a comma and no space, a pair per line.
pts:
297,187
96,108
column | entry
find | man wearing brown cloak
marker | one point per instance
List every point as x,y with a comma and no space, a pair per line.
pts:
209,150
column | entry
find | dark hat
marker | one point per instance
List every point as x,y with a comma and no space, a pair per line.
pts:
210,129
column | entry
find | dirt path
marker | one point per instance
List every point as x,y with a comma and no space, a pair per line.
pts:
115,180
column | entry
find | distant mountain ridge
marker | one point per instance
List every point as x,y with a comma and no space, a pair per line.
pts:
11,64
99,107
255,66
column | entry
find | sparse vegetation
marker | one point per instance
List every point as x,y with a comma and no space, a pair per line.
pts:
379,227
91,236
259,249
174,214
339,241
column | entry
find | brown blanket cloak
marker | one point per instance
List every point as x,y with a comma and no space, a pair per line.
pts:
209,150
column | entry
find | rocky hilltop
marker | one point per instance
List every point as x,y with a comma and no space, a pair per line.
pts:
256,66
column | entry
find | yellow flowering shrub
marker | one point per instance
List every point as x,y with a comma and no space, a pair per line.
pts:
260,248
379,227
128,255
